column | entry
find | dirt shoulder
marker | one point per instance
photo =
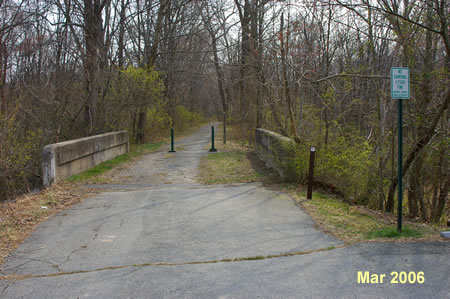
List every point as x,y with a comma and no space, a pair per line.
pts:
18,218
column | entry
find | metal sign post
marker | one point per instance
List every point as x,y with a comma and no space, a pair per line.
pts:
400,91
400,166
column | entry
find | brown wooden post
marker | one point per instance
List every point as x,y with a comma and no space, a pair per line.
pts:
311,171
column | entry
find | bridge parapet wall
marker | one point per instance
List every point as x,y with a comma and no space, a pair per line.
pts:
278,152
61,160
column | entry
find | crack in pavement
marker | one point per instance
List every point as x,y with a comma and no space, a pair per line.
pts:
14,277
28,260
95,230
5,288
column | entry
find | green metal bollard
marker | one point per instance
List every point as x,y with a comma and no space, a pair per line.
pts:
212,149
171,142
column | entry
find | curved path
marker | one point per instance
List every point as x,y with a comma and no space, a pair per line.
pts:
154,232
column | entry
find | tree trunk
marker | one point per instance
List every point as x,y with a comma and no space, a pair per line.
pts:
219,72
140,135
248,16
415,191
121,42
381,115
3,68
256,60
444,177
157,34
93,36
443,194
283,49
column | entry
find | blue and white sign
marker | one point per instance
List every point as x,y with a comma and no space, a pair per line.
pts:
400,83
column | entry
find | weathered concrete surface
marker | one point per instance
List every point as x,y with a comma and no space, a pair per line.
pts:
163,168
277,151
153,236
330,274
168,225
61,160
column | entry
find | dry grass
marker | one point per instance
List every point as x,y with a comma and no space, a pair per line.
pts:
18,218
234,162
231,164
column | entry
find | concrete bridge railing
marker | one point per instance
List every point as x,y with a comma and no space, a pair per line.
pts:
61,160
278,152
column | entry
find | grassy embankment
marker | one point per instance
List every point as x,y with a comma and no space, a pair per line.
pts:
236,162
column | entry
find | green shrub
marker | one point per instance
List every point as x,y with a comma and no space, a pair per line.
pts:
343,164
20,149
